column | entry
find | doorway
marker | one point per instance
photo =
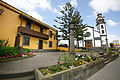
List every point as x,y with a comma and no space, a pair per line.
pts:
40,45
88,44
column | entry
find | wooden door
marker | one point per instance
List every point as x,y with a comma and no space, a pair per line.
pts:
40,46
88,44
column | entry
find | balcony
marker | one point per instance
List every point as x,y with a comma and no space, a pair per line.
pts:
33,33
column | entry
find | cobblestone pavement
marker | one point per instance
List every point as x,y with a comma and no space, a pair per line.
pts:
25,65
110,72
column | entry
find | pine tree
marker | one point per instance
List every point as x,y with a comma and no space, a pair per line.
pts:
71,15
79,28
65,20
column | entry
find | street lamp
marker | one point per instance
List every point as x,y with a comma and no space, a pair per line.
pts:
107,45
1,11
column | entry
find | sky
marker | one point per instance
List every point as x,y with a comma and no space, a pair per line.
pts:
47,11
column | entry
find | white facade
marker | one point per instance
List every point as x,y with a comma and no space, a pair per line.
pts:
98,38
97,35
94,38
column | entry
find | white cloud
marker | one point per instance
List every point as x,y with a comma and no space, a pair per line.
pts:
43,4
112,37
35,15
61,6
112,23
30,5
56,11
90,16
23,4
74,3
105,6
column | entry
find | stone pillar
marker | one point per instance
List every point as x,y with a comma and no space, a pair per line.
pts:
72,47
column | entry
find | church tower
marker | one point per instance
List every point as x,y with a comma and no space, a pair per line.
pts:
101,27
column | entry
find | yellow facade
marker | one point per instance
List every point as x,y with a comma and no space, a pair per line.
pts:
10,21
54,41
67,49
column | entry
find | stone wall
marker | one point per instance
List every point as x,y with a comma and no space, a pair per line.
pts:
79,73
113,57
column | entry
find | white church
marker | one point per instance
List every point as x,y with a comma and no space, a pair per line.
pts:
97,38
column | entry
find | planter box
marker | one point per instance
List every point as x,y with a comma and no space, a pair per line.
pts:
113,57
78,73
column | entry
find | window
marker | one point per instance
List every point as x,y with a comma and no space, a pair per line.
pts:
26,40
28,24
102,31
41,29
102,27
50,34
50,43
54,37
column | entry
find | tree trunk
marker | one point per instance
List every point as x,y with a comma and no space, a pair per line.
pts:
83,43
77,44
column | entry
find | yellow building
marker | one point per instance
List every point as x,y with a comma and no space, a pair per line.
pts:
33,33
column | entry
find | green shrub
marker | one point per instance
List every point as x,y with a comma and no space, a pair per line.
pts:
4,43
8,51
27,50
112,45
112,49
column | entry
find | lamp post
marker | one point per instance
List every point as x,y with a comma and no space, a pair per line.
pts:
107,45
1,11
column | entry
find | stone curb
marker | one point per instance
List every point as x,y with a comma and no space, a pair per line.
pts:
16,75
15,59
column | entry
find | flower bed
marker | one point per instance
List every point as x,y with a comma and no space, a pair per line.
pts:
8,53
63,64
81,72
79,69
14,57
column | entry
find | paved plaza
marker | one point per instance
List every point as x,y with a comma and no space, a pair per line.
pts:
26,65
110,72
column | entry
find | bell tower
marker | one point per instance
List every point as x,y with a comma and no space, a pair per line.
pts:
101,27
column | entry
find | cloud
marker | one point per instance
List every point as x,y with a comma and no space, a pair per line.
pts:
74,3
90,16
105,6
35,15
61,6
30,5
56,11
43,4
23,4
112,23
112,37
